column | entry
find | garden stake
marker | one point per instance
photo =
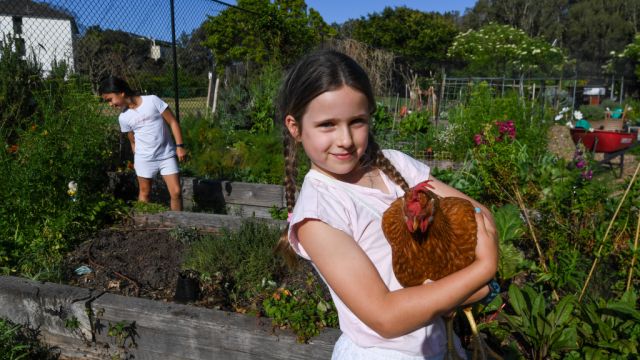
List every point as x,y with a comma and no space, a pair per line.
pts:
535,239
604,238
633,258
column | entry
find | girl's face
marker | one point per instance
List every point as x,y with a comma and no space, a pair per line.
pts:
334,131
118,100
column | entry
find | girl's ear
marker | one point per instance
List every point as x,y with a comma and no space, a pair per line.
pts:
292,126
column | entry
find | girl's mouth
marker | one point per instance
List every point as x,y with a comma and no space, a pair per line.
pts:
343,156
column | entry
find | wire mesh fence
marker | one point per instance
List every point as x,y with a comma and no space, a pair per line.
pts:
132,39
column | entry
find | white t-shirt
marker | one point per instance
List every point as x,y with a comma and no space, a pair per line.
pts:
151,132
357,211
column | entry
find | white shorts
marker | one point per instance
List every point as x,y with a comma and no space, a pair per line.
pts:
149,168
345,349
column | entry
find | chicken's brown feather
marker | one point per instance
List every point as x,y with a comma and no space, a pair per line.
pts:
449,244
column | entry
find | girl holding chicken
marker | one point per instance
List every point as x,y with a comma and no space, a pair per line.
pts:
326,104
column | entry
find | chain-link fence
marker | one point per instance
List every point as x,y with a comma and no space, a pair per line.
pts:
133,39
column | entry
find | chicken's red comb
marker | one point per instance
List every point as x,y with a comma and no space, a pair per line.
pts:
423,186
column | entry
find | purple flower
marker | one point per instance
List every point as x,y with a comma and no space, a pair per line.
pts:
587,175
581,163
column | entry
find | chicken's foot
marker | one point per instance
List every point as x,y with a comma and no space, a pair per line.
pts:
480,348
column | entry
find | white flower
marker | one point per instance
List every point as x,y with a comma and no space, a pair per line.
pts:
591,129
607,109
73,188
564,110
577,115
569,124
558,117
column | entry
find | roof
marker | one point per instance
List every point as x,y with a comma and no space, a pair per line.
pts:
28,8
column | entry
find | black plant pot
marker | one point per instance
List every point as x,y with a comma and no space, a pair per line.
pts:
187,287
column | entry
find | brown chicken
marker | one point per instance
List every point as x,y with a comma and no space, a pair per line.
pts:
432,237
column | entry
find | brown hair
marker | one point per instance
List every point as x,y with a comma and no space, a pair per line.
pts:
317,73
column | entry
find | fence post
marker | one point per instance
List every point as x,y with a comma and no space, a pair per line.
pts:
175,60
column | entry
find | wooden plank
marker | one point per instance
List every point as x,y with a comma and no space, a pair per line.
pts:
175,331
210,222
161,331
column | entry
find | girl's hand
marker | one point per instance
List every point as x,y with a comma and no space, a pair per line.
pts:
181,153
486,246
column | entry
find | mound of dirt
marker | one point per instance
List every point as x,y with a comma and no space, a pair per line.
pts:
135,262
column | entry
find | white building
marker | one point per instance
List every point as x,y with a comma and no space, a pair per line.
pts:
38,29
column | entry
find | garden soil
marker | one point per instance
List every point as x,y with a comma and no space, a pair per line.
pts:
131,262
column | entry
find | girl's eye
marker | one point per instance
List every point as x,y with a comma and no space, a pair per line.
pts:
326,124
361,121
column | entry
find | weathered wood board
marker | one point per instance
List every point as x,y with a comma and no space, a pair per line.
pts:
78,321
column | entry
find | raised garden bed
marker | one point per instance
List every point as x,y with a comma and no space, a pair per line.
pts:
84,324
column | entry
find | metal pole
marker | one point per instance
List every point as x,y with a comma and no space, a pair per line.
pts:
175,60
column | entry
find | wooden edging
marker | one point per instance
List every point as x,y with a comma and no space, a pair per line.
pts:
203,221
84,324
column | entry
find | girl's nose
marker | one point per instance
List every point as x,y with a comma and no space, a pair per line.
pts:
345,139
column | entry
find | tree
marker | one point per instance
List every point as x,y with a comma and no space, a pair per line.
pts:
537,18
193,57
594,29
102,53
260,31
501,50
420,39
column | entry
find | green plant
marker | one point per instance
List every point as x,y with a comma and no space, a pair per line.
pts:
305,311
609,329
149,207
20,343
542,330
592,112
238,260
510,228
122,331
278,213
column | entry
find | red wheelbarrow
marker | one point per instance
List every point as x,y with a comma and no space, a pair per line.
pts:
611,143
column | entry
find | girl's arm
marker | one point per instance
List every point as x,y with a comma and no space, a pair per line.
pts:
354,278
167,115
132,141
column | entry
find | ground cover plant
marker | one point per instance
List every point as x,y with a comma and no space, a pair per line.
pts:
18,342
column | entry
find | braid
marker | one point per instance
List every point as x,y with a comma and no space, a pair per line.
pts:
381,162
291,172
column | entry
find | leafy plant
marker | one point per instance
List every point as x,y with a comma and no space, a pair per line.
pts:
609,329
239,268
18,343
541,329
305,311
510,228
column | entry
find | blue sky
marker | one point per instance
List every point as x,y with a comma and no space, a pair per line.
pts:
340,10
151,18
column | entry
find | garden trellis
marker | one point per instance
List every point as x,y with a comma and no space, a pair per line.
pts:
130,38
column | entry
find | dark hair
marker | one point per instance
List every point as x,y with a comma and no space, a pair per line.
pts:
113,84
314,74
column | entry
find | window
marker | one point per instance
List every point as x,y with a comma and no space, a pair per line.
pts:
17,25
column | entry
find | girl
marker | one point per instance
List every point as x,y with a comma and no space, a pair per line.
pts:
326,102
145,120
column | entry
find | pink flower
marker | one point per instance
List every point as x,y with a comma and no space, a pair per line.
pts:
477,138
